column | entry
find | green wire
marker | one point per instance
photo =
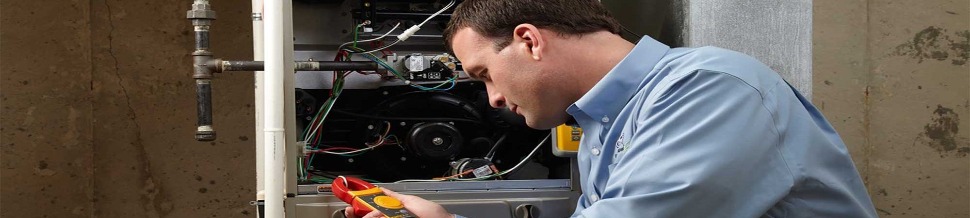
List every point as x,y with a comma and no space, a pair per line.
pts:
356,29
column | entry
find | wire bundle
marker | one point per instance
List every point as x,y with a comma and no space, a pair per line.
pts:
311,133
496,175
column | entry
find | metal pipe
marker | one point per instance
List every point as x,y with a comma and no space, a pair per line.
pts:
201,16
224,66
335,65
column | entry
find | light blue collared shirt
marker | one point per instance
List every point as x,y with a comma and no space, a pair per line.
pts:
708,132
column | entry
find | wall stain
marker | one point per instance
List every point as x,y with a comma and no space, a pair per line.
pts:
935,44
941,132
961,47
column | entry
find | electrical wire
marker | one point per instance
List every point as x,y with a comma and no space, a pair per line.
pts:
440,119
408,32
383,137
377,49
318,119
516,165
452,3
491,152
502,173
344,179
368,40
355,152
453,80
327,106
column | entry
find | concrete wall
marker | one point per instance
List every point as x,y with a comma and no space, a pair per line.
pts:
894,79
98,110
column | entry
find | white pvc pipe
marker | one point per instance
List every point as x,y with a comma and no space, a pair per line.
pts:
273,96
258,92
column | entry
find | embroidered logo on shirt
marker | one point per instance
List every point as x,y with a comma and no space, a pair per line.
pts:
621,144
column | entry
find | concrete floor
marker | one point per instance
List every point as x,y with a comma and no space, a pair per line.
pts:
98,107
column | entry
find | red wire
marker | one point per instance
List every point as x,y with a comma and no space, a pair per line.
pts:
338,148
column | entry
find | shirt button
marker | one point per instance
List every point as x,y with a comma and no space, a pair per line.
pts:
593,198
606,119
596,151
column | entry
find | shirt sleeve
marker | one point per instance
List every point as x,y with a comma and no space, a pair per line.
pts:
706,147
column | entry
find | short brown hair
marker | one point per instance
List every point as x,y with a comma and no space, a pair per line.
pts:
496,19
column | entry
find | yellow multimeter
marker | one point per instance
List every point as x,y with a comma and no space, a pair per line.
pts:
565,140
364,197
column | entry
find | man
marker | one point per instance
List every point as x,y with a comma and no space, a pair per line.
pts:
683,132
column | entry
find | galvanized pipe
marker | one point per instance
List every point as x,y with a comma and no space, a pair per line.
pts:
201,16
219,66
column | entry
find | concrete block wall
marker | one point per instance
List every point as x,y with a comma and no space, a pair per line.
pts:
98,112
894,79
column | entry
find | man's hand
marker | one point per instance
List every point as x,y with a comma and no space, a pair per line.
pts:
418,206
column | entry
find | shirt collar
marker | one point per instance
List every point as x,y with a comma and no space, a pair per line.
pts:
605,100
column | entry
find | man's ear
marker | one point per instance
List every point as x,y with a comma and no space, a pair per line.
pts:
526,38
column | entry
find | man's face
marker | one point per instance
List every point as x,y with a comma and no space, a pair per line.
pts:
514,78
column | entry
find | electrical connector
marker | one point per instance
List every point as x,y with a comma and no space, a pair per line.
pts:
408,33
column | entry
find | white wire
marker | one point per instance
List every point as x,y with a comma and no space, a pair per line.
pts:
439,12
520,162
527,157
345,180
346,153
406,32
368,40
378,49
385,34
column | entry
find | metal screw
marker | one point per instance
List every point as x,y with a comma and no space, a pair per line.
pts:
385,93
404,124
437,141
366,4
370,127
350,160
404,158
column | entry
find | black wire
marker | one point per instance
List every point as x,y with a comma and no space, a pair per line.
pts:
439,119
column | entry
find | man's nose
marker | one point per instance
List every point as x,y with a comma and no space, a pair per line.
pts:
496,99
